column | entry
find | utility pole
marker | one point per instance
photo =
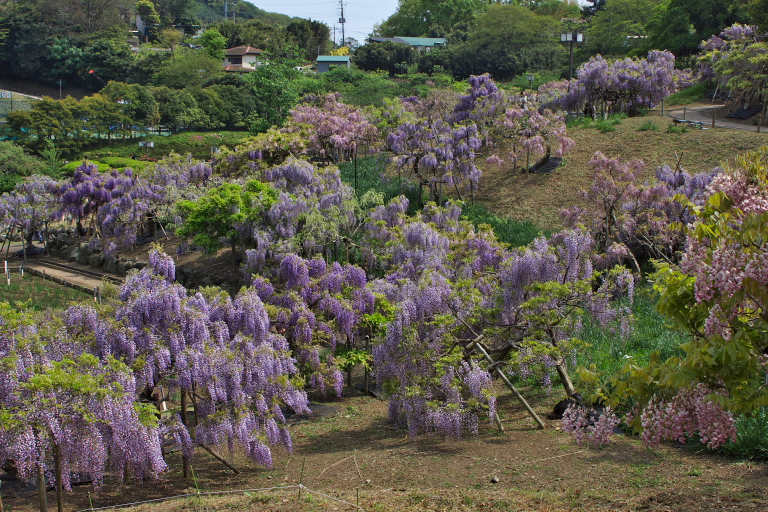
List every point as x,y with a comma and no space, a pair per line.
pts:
226,14
342,20
334,34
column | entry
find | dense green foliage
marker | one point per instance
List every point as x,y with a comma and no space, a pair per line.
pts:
15,165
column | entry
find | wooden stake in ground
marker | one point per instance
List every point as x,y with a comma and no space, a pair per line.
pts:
514,390
301,477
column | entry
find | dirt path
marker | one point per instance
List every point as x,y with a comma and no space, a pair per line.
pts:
702,113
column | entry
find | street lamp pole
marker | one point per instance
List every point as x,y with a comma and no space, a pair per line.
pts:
571,37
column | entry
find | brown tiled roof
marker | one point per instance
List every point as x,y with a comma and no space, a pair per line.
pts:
243,50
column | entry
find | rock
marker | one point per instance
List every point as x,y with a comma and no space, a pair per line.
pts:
85,248
494,479
123,267
110,264
96,260
74,254
82,257
138,265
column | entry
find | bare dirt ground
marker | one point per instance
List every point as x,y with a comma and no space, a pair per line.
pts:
354,454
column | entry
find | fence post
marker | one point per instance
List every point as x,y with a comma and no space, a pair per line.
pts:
662,108
685,111
714,114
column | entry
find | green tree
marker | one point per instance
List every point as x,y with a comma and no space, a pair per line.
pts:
609,29
214,43
105,116
15,165
175,11
215,111
430,18
680,25
758,13
187,68
146,9
110,57
170,38
145,65
177,108
313,37
135,102
506,41
91,16
238,105
275,92
388,56
216,214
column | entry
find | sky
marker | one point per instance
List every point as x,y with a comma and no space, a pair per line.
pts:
360,14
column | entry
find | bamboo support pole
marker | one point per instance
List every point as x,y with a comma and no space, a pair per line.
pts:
220,459
514,390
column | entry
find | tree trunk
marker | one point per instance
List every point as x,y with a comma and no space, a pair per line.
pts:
562,371
59,489
41,485
184,422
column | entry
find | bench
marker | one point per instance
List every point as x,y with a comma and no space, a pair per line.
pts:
697,124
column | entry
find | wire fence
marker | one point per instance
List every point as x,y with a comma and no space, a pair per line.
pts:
11,102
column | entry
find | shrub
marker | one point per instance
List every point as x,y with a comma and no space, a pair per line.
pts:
120,163
605,125
648,126
69,169
752,436
677,129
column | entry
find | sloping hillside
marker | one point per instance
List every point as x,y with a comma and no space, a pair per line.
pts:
540,197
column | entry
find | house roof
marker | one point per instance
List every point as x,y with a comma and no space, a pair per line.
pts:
239,69
243,50
412,41
333,58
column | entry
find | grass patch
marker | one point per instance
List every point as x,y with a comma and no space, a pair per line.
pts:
509,231
648,126
687,96
602,125
368,173
652,332
605,126
37,293
677,129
